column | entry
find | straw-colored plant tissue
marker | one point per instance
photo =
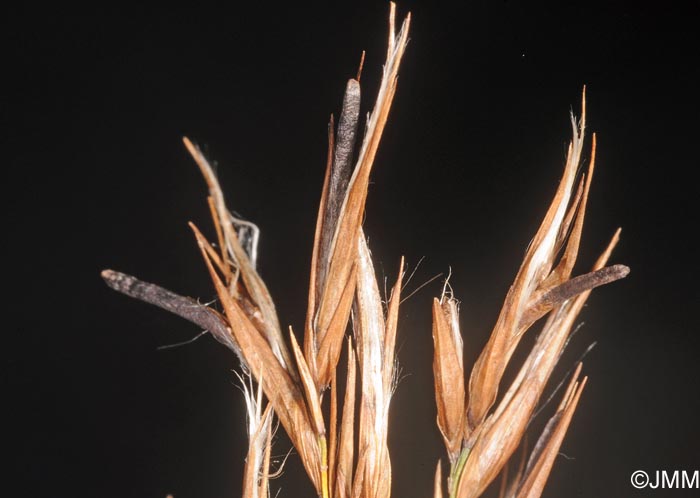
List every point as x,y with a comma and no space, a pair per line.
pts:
343,443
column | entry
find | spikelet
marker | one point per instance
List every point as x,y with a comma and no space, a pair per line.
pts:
343,443
490,435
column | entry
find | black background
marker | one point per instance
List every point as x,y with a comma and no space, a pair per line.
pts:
96,177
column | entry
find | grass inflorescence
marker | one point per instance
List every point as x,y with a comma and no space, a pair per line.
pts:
342,443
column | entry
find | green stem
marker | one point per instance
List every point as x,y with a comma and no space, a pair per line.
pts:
456,473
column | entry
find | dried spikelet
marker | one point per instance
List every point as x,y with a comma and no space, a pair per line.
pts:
341,272
541,286
294,387
348,457
535,289
335,247
285,395
547,447
503,430
258,301
538,261
448,369
374,336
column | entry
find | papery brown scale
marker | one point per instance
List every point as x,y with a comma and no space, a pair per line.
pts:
344,471
333,433
312,397
568,259
448,371
330,348
534,482
370,330
310,339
